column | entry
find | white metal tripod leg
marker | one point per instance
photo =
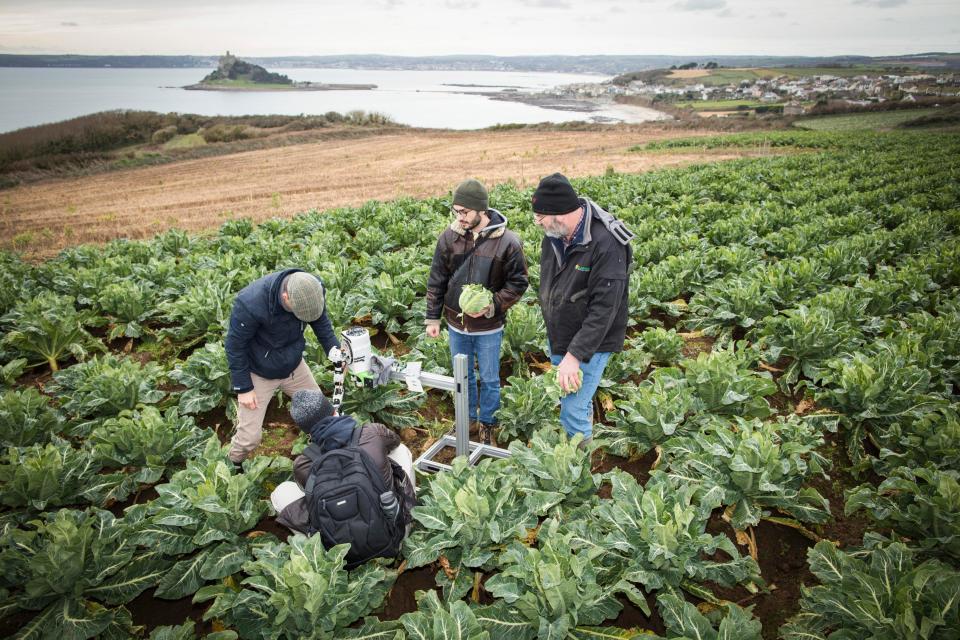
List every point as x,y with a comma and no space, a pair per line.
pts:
460,402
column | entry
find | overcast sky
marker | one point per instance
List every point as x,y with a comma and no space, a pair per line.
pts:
497,27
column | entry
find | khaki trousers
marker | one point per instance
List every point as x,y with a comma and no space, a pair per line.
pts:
250,421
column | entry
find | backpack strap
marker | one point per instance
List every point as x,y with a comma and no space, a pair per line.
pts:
313,451
617,229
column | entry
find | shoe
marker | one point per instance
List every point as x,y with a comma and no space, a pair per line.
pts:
585,443
486,432
237,467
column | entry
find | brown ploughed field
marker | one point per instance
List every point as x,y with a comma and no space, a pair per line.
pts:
40,219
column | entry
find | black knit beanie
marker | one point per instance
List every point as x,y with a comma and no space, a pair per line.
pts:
309,407
554,196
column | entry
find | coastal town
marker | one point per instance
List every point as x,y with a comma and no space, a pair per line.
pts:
791,91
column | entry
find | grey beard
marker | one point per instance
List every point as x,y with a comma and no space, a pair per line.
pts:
551,233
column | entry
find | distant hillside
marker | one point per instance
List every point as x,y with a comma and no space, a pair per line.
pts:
725,75
608,65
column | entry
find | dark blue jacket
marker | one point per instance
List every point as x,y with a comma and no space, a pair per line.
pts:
266,339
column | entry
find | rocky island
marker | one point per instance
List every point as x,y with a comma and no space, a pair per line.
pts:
233,74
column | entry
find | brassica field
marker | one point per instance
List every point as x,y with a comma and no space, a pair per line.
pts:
778,448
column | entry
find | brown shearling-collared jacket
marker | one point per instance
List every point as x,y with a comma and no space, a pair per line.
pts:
497,263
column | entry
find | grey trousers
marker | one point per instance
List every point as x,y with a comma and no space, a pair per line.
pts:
250,421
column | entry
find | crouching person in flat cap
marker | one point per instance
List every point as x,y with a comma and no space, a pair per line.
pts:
584,263
265,345
353,484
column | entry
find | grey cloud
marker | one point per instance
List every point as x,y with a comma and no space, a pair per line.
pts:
701,5
547,4
69,24
880,4
461,4
98,5
778,13
726,13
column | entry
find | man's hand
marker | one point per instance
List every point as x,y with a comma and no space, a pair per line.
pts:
335,355
482,313
248,400
568,374
433,330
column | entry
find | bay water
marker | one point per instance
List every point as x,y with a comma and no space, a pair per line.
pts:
441,99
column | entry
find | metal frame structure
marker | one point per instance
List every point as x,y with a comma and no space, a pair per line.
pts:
461,438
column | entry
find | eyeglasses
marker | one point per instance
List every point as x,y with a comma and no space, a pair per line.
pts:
460,212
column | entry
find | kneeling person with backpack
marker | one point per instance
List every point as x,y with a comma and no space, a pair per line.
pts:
354,484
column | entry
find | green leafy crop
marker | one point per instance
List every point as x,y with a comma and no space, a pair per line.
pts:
298,590
922,504
106,385
757,465
879,592
27,418
48,329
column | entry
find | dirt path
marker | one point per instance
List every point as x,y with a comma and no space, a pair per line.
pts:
195,195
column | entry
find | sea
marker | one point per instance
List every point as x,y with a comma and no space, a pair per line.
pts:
441,99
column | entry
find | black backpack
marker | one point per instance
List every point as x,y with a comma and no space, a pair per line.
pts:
343,501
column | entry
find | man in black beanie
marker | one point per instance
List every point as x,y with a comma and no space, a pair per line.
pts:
585,258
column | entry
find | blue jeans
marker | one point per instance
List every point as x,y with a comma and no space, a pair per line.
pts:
576,409
482,351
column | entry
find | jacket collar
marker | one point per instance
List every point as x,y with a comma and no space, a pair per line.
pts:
496,228
333,432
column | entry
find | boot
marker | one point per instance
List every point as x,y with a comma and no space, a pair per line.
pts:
486,432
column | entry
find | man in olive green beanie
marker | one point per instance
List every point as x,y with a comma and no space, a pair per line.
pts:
470,194
476,248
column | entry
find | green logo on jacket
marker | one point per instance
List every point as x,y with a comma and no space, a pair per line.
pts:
581,267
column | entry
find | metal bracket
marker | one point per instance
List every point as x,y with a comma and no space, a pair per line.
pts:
461,440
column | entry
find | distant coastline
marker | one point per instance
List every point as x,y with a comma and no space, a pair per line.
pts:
601,108
593,64
298,86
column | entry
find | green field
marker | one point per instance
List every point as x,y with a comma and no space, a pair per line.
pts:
719,77
799,72
723,105
776,455
859,121
187,141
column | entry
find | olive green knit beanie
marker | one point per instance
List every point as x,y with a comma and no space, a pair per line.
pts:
471,195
